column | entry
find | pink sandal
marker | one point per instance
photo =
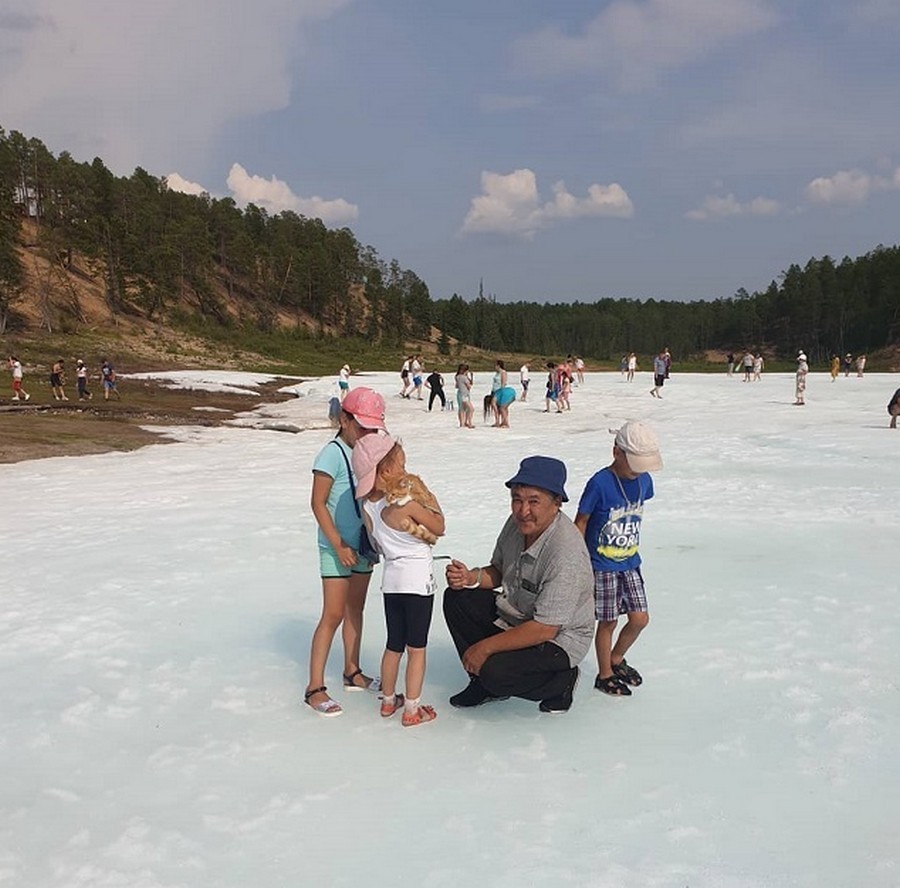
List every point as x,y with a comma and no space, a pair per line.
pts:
388,709
419,717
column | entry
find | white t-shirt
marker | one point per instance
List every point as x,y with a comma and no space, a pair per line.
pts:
407,559
524,375
345,374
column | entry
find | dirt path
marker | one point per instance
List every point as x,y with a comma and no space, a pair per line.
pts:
38,429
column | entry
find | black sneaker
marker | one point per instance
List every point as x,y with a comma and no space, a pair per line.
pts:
562,703
473,695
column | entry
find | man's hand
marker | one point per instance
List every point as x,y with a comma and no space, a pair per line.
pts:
474,657
457,574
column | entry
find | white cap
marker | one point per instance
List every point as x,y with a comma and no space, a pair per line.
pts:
640,446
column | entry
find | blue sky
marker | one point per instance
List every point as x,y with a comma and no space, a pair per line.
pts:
674,149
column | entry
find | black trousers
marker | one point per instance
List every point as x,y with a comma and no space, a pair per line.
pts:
533,673
437,393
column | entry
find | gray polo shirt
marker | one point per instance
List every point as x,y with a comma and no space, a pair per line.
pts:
550,582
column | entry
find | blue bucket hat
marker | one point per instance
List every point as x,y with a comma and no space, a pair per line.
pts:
542,471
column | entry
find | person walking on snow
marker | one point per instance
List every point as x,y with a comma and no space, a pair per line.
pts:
800,379
660,371
747,364
344,381
758,364
435,384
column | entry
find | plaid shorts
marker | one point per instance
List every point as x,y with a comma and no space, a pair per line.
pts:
618,592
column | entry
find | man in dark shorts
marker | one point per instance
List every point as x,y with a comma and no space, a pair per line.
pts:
660,372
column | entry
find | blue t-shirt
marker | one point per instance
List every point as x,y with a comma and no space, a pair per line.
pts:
340,498
613,531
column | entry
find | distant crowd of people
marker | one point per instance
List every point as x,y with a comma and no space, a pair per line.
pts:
562,376
57,379
752,366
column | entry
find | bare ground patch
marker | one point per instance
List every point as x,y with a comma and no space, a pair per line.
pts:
43,427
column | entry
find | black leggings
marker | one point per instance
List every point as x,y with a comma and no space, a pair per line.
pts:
437,393
533,673
408,619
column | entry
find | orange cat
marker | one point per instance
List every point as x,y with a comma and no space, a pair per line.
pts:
408,488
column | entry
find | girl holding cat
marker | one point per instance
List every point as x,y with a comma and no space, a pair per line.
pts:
397,527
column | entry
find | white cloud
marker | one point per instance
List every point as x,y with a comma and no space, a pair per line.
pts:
147,84
175,182
851,186
510,204
721,207
637,40
275,195
846,186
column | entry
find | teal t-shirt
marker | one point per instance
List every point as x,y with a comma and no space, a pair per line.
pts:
331,462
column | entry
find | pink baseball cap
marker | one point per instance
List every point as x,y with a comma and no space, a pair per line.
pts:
368,451
366,407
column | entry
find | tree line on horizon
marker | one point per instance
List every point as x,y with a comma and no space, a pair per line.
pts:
152,247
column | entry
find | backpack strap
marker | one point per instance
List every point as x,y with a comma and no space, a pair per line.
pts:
350,473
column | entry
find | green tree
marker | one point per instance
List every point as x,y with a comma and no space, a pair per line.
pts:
11,272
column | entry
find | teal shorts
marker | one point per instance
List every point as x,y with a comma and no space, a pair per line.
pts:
505,396
330,565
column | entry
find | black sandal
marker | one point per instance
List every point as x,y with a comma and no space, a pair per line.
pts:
374,684
614,686
628,674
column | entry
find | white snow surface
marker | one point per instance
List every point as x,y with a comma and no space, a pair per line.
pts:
207,380
158,607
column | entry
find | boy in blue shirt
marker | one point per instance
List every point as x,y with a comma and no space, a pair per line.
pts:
609,517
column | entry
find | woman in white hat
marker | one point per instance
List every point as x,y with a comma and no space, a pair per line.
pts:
802,370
